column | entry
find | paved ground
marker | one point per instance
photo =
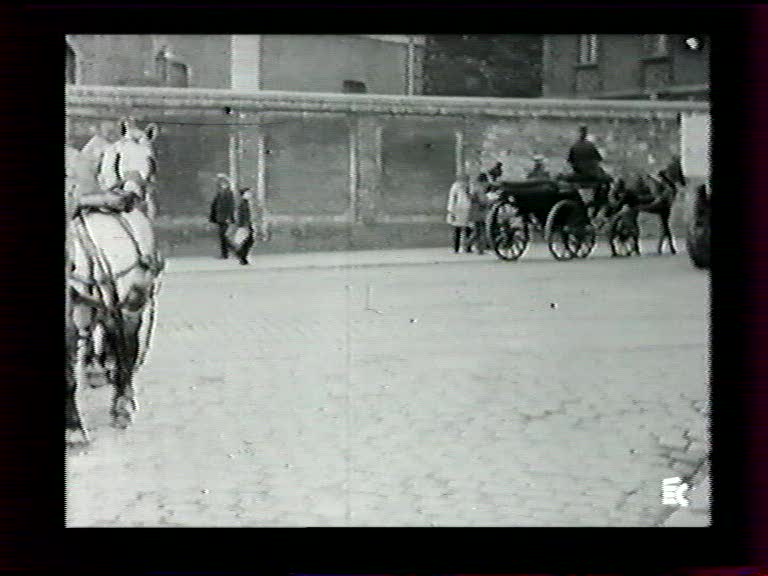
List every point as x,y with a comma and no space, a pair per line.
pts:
439,390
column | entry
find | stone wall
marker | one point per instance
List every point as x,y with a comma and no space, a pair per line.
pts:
360,171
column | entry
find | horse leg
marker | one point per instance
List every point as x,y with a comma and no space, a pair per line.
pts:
76,351
79,326
667,230
126,346
662,235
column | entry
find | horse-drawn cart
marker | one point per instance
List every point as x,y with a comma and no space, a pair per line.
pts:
558,209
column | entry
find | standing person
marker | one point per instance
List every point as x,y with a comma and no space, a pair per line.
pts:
223,211
244,221
494,174
93,151
477,212
459,202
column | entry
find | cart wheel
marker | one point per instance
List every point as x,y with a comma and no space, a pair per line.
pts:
556,230
697,241
697,236
511,242
508,233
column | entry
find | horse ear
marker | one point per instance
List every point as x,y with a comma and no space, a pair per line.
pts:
152,130
122,125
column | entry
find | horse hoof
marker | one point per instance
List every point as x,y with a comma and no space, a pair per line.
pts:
122,413
76,438
98,379
121,421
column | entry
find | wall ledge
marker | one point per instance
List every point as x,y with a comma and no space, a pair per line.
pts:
198,100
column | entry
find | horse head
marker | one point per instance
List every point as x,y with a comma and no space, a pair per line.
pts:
131,159
129,163
673,172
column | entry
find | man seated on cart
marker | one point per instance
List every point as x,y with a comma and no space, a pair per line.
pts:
539,171
584,159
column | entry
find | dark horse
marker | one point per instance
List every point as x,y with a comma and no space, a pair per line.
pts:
652,194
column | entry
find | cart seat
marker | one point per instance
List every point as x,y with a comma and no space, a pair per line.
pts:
523,186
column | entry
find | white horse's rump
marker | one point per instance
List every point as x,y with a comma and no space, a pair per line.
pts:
114,280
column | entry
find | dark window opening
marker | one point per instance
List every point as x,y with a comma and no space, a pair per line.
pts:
354,87
655,45
71,66
178,75
171,72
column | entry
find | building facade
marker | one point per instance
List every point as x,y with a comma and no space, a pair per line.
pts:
619,66
376,64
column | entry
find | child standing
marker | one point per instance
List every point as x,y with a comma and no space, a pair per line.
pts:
459,206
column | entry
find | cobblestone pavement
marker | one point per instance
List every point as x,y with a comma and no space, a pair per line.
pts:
473,393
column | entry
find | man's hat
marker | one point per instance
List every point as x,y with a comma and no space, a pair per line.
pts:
538,158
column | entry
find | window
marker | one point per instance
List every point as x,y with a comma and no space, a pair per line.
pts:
178,75
587,48
354,87
170,71
161,65
655,45
70,66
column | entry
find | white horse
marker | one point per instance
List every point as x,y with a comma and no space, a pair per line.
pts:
127,164
113,279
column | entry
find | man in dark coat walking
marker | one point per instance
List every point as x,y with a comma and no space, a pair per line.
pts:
245,221
223,211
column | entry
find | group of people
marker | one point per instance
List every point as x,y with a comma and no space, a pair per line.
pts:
467,205
231,213
468,201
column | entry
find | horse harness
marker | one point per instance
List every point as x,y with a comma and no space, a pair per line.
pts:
152,263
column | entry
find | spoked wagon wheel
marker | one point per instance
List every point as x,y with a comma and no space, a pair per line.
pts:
557,229
508,233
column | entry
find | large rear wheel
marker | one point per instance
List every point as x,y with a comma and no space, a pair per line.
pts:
698,233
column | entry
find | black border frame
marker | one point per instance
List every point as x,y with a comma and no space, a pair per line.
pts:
31,455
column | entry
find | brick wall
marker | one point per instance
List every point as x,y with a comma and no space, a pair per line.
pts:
307,63
621,66
129,59
363,170
321,63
